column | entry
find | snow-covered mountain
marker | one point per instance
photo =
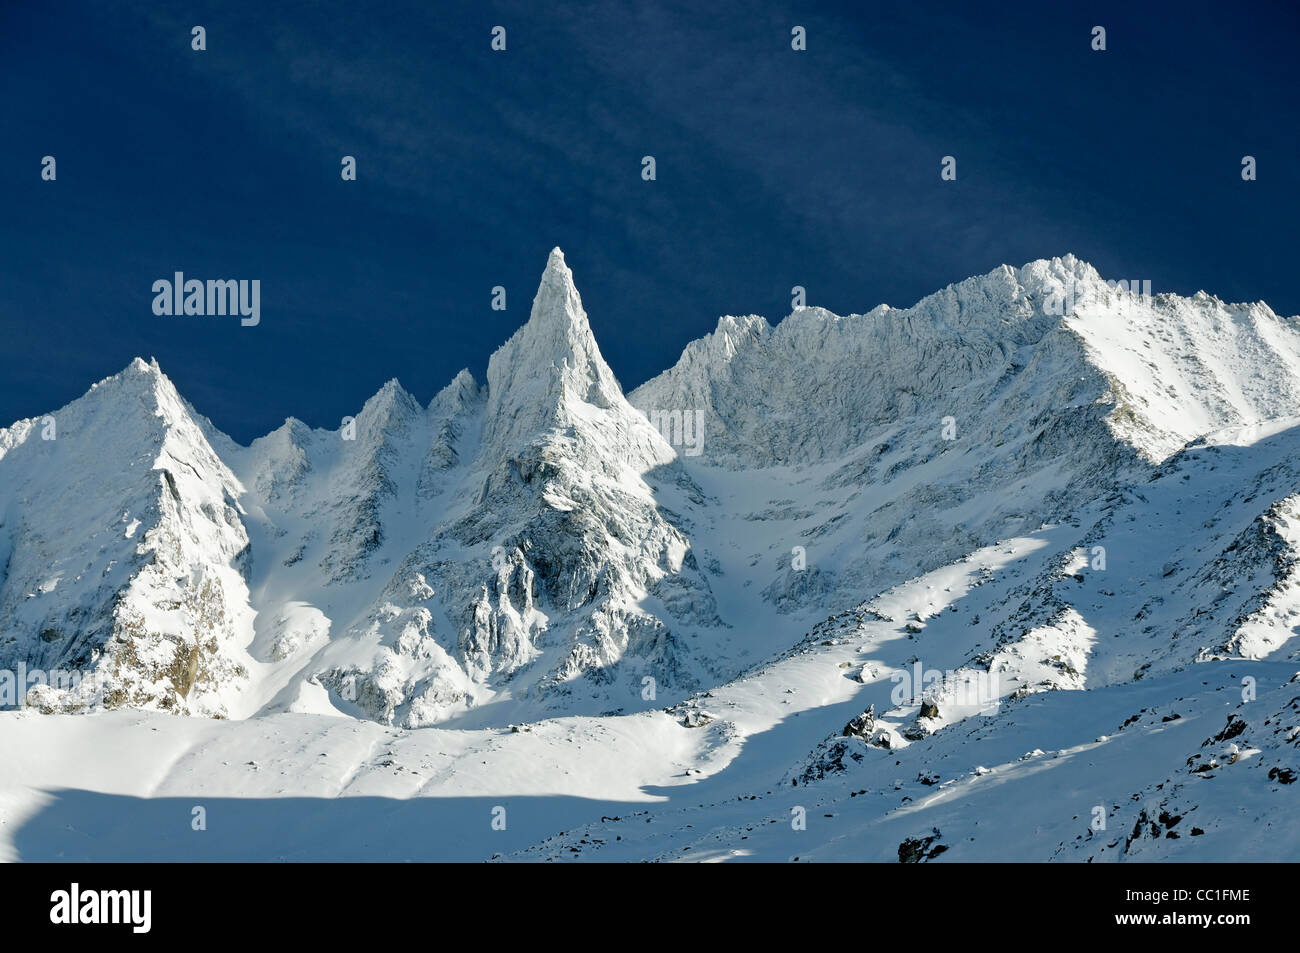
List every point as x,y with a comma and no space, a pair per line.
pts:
489,552
124,552
1034,485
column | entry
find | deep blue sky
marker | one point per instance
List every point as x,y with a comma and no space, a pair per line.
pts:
775,168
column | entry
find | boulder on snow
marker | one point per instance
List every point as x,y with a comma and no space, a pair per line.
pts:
916,850
861,726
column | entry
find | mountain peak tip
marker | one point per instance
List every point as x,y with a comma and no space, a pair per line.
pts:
140,366
557,269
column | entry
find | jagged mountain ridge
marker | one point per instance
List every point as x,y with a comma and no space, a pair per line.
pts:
534,545
770,387
1054,387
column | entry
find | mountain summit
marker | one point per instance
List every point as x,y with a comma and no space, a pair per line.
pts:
552,360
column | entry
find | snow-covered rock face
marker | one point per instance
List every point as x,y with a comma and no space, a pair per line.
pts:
125,554
550,366
1164,369
987,409
547,561
499,550
542,544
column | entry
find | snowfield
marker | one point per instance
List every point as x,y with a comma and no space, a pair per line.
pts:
1012,574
